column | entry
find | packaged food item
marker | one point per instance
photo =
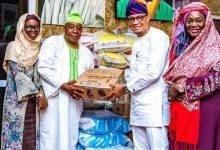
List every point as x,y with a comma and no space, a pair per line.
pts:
108,42
97,82
115,60
121,108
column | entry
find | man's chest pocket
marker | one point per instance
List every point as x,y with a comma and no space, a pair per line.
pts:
141,61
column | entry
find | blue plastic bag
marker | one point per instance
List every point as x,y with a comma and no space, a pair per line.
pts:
102,122
103,140
117,147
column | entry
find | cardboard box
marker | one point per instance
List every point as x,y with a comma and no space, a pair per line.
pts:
121,108
97,82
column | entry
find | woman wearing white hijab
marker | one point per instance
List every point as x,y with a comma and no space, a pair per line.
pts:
19,124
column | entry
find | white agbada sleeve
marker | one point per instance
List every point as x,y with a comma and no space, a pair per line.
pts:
46,67
147,72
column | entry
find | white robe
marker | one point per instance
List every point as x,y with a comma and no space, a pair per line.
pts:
59,122
149,104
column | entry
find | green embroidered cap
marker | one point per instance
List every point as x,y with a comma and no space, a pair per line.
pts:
74,16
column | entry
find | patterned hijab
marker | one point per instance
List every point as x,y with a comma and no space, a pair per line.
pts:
136,7
200,55
23,50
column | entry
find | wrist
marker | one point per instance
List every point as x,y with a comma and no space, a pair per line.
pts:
62,87
125,88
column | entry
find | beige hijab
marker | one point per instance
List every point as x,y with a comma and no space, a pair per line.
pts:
23,50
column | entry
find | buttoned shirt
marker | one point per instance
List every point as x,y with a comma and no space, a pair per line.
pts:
149,104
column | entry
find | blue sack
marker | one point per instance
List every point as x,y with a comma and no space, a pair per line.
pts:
117,147
102,122
103,141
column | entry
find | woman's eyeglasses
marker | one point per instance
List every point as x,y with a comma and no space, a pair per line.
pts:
138,18
32,27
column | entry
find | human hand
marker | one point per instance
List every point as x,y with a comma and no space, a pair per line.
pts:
41,101
118,91
175,91
72,90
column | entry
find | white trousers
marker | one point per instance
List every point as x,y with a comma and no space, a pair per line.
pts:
150,138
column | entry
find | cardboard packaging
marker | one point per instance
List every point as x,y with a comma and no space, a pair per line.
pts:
97,82
121,108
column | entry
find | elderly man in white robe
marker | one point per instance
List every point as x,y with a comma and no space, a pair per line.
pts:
149,114
61,60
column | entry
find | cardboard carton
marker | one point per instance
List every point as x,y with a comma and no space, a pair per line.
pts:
121,108
97,82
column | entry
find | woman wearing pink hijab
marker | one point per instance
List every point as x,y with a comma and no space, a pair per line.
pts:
193,76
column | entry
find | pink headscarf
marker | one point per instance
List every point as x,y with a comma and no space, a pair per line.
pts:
200,55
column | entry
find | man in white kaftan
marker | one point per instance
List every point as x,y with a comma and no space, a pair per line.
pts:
149,106
149,113
60,121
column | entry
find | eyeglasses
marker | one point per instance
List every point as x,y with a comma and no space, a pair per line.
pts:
30,27
138,18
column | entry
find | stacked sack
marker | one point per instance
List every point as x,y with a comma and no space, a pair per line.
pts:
112,49
102,129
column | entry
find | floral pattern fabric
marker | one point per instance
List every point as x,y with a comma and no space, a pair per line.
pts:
199,87
13,109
